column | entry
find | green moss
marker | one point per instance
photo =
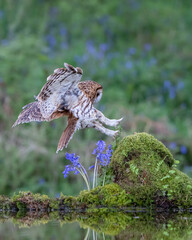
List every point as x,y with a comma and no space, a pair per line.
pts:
144,168
110,195
68,200
28,195
4,203
54,204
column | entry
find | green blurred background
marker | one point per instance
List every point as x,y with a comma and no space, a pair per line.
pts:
140,51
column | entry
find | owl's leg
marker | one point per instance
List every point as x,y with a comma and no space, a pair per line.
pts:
110,122
99,127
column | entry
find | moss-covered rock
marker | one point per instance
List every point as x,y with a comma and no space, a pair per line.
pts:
145,169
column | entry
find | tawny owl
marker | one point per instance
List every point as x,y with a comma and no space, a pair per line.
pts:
64,95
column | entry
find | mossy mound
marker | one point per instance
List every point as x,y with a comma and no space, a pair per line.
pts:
142,173
145,169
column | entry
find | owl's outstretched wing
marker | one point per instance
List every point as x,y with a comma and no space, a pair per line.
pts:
57,85
68,133
31,112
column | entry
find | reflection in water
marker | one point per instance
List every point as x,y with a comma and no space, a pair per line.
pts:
95,225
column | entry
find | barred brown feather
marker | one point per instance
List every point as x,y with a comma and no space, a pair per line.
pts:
31,112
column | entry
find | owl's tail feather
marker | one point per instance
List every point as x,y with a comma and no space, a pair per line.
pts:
67,134
31,112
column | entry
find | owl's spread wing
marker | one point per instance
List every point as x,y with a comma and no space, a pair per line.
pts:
57,85
31,112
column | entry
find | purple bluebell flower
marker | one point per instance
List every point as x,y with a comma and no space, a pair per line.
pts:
63,31
100,147
90,47
54,11
147,47
167,84
91,167
172,145
74,160
69,168
4,42
103,47
183,149
172,93
41,181
51,40
152,61
132,50
76,167
103,158
129,64
180,85
64,45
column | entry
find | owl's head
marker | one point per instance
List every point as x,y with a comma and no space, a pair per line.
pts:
98,95
92,90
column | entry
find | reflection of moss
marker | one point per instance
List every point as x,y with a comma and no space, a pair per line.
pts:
109,223
176,227
122,225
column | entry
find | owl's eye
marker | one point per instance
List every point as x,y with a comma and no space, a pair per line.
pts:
98,94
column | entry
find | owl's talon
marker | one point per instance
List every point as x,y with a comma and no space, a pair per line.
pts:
116,133
118,122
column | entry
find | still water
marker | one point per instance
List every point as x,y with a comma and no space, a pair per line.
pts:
112,225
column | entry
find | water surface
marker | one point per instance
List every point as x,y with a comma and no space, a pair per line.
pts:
102,225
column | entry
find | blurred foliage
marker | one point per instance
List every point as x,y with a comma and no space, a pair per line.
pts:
140,51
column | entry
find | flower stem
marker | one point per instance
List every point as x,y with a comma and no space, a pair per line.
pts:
95,174
104,177
84,177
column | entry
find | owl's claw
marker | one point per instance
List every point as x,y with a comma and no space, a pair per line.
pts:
116,133
117,122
